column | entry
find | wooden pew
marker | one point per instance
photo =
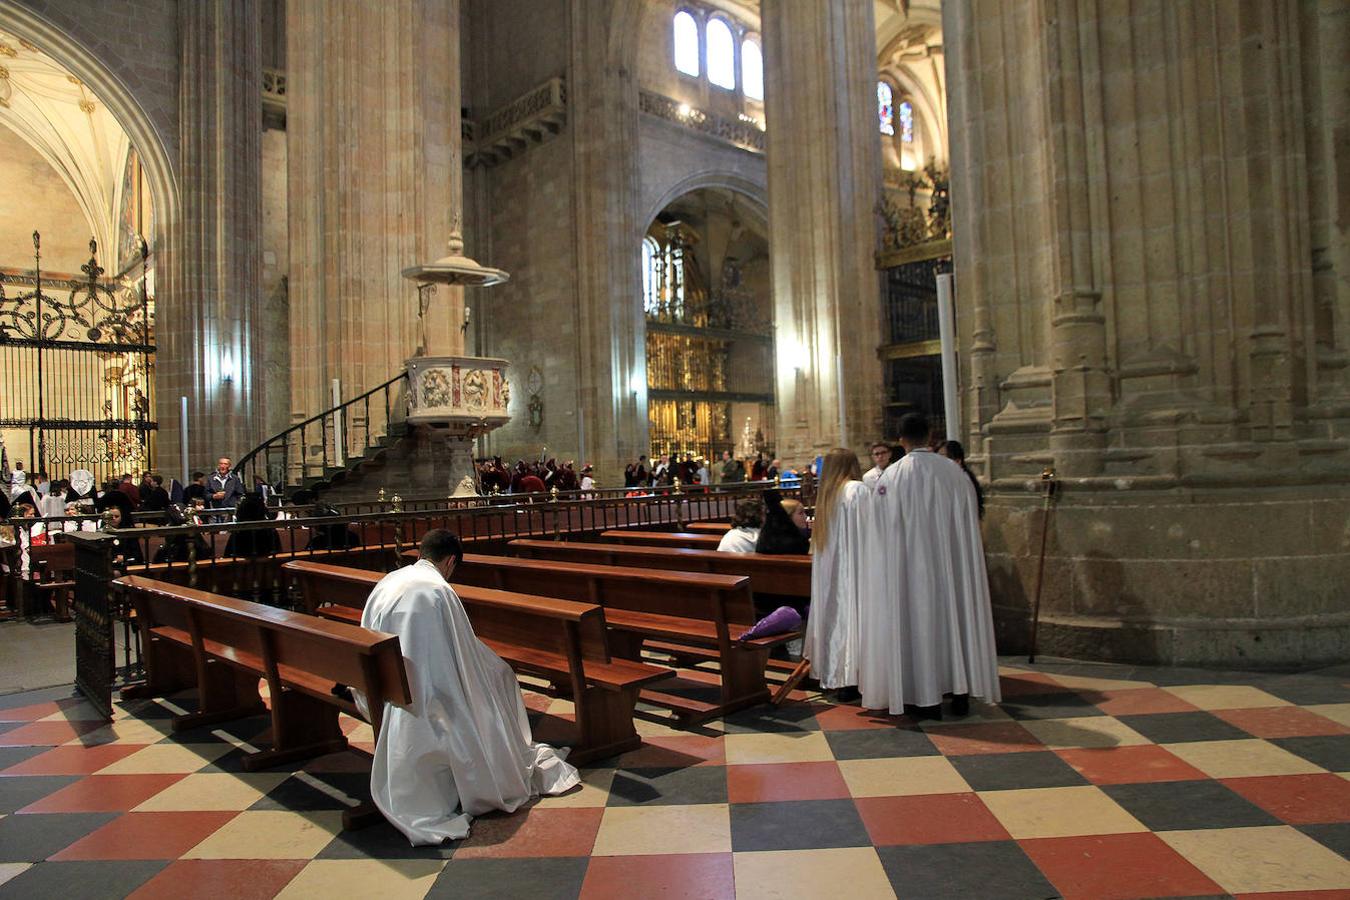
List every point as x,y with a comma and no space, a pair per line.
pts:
560,640
717,528
694,616
224,646
52,574
662,539
788,576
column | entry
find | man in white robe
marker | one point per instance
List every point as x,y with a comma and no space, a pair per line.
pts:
931,590
881,458
463,748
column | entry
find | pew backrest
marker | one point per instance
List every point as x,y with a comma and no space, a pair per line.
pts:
662,539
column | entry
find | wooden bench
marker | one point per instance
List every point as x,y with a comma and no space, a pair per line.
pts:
787,576
223,646
662,539
558,640
717,528
52,575
693,616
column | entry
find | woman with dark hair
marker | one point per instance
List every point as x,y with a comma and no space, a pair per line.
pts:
784,528
957,454
745,525
253,542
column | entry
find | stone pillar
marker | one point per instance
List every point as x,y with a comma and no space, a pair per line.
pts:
1151,295
209,298
824,170
373,129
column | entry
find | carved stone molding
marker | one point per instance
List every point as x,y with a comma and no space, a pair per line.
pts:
466,394
530,119
745,135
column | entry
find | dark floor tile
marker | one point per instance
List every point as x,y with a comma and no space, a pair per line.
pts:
550,878
797,825
1336,836
10,726
234,762
381,841
667,786
1050,706
880,743
1008,771
83,880
1309,690
1188,805
1170,677
246,730
993,870
17,791
36,836
12,756
300,795
41,695
1331,752
797,717
1180,728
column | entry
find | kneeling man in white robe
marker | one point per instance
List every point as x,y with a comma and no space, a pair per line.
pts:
463,747
933,579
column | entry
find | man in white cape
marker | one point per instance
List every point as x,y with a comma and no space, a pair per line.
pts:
927,625
463,748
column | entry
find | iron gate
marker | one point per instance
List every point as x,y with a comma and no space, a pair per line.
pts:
77,360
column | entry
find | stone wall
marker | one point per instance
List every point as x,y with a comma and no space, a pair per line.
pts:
36,199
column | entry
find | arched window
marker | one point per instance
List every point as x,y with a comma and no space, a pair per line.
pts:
686,43
906,122
885,108
721,54
651,275
752,70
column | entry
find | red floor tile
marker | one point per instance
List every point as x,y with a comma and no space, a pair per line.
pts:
103,793
929,819
676,751
29,713
1297,799
147,835
1024,684
1130,765
1280,722
986,737
849,718
208,879
534,832
1119,866
1141,702
679,875
785,781
38,734
73,760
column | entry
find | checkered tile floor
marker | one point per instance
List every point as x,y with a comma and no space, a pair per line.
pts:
1088,781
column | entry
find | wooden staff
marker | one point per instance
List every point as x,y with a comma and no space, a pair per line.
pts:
1049,483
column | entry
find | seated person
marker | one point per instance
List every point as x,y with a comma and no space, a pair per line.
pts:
253,542
176,548
785,529
745,524
126,548
463,748
338,536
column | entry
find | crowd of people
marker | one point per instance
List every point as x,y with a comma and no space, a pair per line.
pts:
533,477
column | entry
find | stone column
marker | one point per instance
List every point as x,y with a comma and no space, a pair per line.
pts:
1151,299
209,299
373,130
824,172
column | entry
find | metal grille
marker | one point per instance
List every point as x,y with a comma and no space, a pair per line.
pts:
77,357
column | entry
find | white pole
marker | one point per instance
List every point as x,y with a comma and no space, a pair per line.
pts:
843,412
338,441
947,335
183,440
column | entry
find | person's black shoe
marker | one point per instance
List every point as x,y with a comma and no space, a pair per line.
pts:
960,705
847,695
924,712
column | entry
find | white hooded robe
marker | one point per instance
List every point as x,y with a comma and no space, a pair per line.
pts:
837,576
463,748
931,594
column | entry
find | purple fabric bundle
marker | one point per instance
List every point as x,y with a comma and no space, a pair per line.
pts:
782,619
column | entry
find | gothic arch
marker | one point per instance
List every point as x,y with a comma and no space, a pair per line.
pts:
755,193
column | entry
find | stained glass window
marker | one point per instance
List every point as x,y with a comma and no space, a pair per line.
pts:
686,43
906,122
752,70
885,109
721,54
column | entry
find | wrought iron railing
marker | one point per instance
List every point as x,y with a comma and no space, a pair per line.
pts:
288,458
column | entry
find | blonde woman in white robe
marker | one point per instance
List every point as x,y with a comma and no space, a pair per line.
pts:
837,574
